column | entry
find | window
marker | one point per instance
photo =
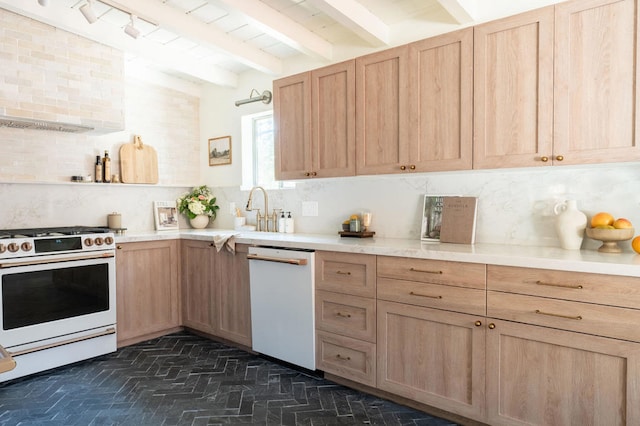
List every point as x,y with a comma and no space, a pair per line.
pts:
258,152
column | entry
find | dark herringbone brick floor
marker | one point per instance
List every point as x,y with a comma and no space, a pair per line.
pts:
182,379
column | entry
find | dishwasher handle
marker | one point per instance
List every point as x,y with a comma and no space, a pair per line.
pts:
290,261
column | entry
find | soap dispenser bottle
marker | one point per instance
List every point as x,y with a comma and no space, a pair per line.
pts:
289,224
281,223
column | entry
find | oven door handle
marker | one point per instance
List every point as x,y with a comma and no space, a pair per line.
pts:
63,259
106,332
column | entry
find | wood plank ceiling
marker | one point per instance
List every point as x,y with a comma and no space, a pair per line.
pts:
214,41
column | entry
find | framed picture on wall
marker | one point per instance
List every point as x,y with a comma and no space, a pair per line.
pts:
165,214
220,151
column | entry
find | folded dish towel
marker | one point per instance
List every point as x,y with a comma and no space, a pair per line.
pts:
225,240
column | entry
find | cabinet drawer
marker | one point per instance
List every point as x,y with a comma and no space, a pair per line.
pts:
346,315
345,357
458,299
347,273
472,275
579,286
608,321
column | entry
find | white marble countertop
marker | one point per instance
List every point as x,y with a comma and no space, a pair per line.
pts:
592,261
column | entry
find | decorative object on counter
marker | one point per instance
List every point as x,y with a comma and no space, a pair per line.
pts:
115,178
431,217
77,178
459,220
138,162
114,220
220,151
199,202
353,227
605,228
570,224
610,238
165,214
199,222
366,220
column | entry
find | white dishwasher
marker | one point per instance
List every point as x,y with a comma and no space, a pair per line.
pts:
282,304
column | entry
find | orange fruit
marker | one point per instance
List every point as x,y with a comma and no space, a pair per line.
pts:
622,223
635,244
602,219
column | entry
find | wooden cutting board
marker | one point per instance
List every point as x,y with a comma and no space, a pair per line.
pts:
138,162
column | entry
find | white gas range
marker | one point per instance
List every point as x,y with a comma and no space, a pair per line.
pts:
57,297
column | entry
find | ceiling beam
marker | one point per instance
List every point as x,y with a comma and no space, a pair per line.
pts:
460,10
175,20
101,32
357,18
283,29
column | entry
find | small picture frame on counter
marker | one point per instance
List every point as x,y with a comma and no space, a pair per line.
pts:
220,151
165,214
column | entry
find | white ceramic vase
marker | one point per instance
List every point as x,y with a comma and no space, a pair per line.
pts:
199,222
570,224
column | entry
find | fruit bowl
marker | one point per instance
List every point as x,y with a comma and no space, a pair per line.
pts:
610,238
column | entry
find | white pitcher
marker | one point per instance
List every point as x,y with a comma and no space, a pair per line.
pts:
570,224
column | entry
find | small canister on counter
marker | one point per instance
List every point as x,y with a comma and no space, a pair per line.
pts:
354,225
114,220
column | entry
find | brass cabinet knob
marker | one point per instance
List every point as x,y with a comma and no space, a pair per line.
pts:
211,244
403,167
412,167
544,159
314,174
491,326
559,157
307,174
119,247
478,323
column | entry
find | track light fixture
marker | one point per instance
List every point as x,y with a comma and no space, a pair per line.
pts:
130,29
88,12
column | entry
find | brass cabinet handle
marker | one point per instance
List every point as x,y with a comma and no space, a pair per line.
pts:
119,247
578,317
403,167
343,273
314,174
425,271
211,244
425,295
544,159
340,314
412,167
559,157
307,174
491,326
477,323
344,358
576,287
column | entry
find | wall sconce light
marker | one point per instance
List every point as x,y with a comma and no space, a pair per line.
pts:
87,11
131,30
43,2
265,98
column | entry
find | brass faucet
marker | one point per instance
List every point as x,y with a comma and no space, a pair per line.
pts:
260,217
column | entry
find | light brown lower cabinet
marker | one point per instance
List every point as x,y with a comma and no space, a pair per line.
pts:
147,290
432,356
541,376
215,291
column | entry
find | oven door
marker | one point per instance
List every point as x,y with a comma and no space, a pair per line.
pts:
56,296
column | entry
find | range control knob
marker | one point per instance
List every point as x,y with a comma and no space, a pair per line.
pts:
88,242
108,241
26,246
99,241
2,248
13,247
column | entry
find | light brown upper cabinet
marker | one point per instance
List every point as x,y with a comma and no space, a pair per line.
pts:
382,107
557,86
315,123
513,91
596,81
441,102
414,106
